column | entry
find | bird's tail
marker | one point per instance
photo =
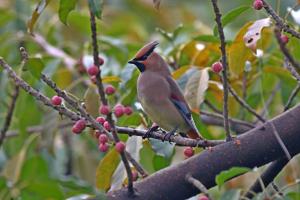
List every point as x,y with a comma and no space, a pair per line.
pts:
194,134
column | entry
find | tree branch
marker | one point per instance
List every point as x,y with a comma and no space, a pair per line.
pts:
225,66
292,97
279,21
205,166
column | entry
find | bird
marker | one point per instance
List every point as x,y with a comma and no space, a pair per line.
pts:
159,94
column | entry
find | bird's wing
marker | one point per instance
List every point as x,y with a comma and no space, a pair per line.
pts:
180,103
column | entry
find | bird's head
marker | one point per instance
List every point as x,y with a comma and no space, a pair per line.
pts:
147,59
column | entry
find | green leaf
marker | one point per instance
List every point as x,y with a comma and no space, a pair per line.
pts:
207,38
106,169
133,120
164,149
230,16
36,13
229,174
35,66
34,168
160,162
96,7
231,195
65,7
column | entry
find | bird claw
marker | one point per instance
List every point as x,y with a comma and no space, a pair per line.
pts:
149,131
167,136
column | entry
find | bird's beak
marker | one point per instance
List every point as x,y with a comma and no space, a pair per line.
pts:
133,62
138,64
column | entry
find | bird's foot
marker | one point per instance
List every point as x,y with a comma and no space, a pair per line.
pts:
150,130
167,136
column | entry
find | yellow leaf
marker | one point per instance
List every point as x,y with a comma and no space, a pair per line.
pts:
195,89
36,13
111,79
91,101
106,168
63,78
180,71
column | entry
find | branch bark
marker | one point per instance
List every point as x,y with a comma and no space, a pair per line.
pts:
258,147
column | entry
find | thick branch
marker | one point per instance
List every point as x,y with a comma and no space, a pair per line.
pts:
258,147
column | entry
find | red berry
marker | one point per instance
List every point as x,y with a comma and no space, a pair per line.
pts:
94,79
284,39
217,67
101,120
120,147
110,90
93,70
101,61
128,110
134,175
97,134
103,147
103,138
76,129
106,125
81,124
56,100
258,4
118,110
104,109
188,152
203,197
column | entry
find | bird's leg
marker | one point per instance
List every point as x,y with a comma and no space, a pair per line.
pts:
154,127
168,135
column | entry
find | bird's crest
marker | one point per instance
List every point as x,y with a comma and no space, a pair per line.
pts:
144,52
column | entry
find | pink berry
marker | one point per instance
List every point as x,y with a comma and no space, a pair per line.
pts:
76,129
101,61
134,175
258,4
284,39
118,110
103,147
120,147
217,67
110,90
128,110
97,134
188,152
81,124
104,109
93,70
103,138
106,125
203,197
56,100
94,79
101,120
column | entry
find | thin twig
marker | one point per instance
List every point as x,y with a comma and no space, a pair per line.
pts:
178,140
104,100
267,177
137,166
279,21
9,114
281,143
270,99
292,97
294,64
244,104
212,107
196,183
225,66
231,120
